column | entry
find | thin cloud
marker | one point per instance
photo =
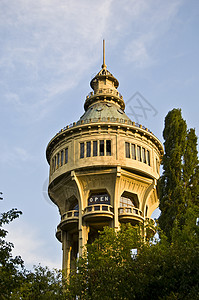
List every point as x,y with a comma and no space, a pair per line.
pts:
48,46
138,52
30,247
14,155
155,21
40,51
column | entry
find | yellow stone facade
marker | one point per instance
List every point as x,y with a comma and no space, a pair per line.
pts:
103,169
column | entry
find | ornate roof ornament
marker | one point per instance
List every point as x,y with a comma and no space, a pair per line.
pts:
105,87
104,65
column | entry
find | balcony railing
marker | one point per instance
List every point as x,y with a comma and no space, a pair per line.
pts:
130,210
98,210
130,214
58,233
149,221
107,91
150,227
98,207
70,214
104,119
69,220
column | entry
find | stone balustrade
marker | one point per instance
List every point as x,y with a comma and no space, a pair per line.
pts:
130,210
107,91
70,214
104,120
99,208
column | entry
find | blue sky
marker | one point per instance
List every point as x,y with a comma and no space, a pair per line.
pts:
49,52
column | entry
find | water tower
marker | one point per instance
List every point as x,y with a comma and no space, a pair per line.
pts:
103,169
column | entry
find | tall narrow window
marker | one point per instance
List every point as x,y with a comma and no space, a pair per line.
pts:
52,166
94,148
127,149
55,162
133,153
148,157
88,149
101,148
66,155
62,158
108,147
157,165
58,160
144,155
146,210
139,153
81,150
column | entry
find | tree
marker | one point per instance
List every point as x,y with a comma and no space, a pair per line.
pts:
42,284
18,283
178,184
160,270
104,268
11,268
191,168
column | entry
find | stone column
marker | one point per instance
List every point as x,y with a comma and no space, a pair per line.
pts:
116,198
66,248
83,237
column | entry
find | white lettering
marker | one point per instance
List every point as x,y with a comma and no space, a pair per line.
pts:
99,198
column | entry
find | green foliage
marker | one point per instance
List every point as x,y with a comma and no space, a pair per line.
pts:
191,168
103,263
18,283
11,268
42,284
190,157
160,270
178,185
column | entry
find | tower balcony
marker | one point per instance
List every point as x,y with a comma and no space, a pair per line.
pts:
69,220
110,94
150,227
129,214
108,91
58,233
98,212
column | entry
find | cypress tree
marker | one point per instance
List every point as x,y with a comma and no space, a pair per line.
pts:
171,186
191,169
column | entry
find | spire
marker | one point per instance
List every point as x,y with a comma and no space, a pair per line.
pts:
104,65
104,85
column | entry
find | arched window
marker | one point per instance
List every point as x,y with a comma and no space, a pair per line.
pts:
146,210
99,197
72,204
129,200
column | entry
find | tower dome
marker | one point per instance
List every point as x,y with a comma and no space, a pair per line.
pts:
103,169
